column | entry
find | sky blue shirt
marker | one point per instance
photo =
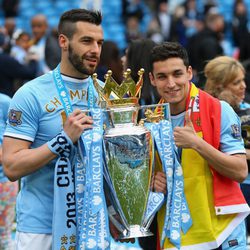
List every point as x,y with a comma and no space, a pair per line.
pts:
36,115
4,106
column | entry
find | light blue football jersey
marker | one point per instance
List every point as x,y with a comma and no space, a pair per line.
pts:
4,106
230,136
36,114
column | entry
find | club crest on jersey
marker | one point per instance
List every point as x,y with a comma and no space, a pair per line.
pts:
235,131
15,117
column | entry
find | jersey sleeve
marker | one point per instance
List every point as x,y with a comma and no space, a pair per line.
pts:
231,139
23,115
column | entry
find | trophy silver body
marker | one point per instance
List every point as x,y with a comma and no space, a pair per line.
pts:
129,151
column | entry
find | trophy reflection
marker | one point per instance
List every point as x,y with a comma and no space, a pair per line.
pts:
128,157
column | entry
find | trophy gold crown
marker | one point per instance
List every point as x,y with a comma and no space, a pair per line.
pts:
126,93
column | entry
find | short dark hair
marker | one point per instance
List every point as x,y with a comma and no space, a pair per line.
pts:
69,18
168,50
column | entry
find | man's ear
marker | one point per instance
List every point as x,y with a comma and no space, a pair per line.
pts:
190,73
151,77
63,41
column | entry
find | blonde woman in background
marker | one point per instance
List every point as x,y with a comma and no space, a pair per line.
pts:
225,79
226,73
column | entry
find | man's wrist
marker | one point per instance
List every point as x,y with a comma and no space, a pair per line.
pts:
61,145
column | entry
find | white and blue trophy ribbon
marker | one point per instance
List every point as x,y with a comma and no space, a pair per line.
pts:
85,225
155,199
94,231
177,217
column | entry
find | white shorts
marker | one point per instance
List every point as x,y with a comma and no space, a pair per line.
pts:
29,241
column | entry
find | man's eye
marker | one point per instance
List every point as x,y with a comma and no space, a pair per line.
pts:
86,41
178,74
161,77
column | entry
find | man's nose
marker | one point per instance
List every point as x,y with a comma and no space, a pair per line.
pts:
170,82
95,48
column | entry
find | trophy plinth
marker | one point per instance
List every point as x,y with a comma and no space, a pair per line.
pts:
135,231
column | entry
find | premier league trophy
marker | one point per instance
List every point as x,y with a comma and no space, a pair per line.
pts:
129,157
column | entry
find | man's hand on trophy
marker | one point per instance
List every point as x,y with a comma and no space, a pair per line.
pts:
76,123
116,233
160,182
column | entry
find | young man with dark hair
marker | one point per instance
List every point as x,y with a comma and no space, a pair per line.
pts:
207,134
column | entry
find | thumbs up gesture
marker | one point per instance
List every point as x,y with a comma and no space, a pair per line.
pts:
185,137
